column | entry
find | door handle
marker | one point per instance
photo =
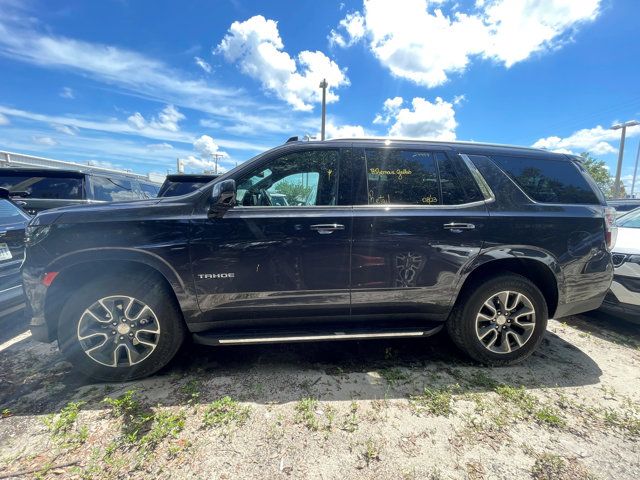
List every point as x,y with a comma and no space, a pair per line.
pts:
458,227
326,228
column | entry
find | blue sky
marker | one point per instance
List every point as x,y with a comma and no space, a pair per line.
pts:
137,84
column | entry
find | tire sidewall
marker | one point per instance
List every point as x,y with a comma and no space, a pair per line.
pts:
515,283
149,291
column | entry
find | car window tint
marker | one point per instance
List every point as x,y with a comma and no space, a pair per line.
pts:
35,186
9,213
456,181
112,189
402,177
630,220
298,179
148,190
550,181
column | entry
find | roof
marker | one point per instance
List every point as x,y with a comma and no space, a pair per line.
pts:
442,143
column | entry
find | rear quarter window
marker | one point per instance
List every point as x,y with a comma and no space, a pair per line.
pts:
548,181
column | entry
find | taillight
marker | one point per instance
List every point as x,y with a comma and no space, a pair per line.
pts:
610,227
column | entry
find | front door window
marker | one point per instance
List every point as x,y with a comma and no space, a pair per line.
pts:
300,179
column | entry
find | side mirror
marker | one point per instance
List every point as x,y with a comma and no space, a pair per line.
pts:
223,197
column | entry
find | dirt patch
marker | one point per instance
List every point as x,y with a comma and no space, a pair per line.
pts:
380,409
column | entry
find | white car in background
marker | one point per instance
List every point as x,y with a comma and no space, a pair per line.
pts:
624,297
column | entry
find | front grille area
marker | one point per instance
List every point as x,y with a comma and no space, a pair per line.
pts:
618,259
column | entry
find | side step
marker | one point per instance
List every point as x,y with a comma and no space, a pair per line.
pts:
252,338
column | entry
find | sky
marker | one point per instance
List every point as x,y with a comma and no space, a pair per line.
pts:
138,83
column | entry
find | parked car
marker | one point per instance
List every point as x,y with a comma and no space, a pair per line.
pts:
13,222
398,239
37,189
624,206
624,297
183,183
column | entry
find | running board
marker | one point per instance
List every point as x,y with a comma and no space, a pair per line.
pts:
218,339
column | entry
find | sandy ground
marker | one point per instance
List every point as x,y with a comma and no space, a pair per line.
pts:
379,409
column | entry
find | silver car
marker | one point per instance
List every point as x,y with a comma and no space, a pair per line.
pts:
624,296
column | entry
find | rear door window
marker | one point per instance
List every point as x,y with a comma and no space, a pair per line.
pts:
401,177
548,181
415,177
111,189
42,186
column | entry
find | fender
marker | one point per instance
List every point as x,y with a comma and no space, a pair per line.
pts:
515,252
182,289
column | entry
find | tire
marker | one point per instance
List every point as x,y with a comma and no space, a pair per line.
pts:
471,319
140,346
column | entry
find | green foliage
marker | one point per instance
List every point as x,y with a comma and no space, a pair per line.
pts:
225,411
164,424
135,418
296,193
435,401
306,413
63,425
600,173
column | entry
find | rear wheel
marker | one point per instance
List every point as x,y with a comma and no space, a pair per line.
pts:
121,328
499,321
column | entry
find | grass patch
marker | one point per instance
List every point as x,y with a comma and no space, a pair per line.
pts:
434,401
625,421
394,376
191,391
224,412
306,413
135,418
371,452
549,466
164,424
351,422
519,397
63,426
549,416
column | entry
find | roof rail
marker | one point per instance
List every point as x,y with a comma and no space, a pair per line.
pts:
292,139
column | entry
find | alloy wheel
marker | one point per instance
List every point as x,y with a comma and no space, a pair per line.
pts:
505,322
118,331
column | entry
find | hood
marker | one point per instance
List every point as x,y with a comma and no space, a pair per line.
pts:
628,241
94,212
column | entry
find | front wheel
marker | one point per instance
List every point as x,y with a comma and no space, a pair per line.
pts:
118,329
499,321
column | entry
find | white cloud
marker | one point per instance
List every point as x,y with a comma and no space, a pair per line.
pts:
137,121
353,25
115,126
160,146
424,119
4,120
423,44
202,64
207,147
167,119
596,140
67,92
256,46
66,129
46,141
343,131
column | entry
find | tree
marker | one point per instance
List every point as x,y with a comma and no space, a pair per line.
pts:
600,173
296,193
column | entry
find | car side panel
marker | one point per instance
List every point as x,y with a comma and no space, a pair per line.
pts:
572,235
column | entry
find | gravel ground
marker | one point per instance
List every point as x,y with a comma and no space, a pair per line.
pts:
378,409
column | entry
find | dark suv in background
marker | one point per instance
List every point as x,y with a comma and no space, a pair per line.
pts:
376,239
37,189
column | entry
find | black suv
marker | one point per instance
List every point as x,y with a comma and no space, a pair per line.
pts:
377,239
183,183
37,189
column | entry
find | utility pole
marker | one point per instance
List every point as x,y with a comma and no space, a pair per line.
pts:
179,166
323,86
623,126
635,171
217,156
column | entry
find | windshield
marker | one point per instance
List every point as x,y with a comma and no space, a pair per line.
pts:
630,220
174,189
39,186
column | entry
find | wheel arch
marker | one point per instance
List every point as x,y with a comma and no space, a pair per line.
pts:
81,267
538,266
